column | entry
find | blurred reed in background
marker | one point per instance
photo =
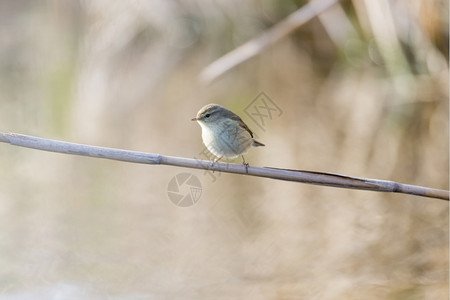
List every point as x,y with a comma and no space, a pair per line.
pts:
363,91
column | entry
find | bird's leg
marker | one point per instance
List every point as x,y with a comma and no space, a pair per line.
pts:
245,164
216,160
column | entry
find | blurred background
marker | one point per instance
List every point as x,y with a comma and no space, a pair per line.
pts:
362,90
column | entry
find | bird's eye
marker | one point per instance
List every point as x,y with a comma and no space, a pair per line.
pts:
207,115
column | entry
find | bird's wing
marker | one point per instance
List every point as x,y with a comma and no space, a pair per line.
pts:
235,117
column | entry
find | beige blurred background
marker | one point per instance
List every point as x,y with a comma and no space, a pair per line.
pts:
363,91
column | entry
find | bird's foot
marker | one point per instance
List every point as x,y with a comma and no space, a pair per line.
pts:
214,161
245,164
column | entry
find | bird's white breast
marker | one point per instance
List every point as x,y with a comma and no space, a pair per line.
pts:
225,141
210,141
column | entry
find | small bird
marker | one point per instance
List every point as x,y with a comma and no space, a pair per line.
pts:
224,133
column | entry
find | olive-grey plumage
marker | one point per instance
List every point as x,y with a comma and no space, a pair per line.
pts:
224,133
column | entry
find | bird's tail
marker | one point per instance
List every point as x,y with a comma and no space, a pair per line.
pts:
257,144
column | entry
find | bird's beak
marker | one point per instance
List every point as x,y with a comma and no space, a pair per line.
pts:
194,119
